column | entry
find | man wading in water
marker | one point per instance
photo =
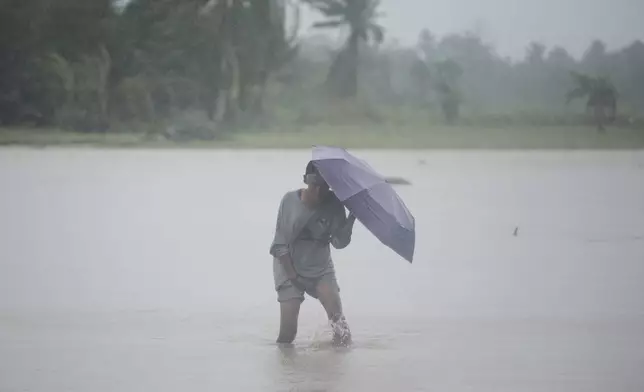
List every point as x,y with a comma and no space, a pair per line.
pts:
308,222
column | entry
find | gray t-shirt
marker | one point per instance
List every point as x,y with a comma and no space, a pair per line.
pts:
305,234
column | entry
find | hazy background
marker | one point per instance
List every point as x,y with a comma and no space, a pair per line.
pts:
209,70
509,24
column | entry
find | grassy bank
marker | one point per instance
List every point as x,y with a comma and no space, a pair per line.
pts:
442,137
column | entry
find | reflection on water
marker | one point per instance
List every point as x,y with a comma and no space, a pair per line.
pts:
149,270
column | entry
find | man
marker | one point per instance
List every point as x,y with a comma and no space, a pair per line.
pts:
308,222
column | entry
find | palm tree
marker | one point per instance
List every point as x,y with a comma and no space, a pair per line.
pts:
360,17
448,73
602,97
254,42
421,77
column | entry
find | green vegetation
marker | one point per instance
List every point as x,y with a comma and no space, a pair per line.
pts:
360,17
439,137
88,64
235,73
601,95
448,73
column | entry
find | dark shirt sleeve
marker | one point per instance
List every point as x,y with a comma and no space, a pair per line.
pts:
343,227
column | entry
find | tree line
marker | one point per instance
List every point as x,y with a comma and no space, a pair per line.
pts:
547,85
90,64
83,64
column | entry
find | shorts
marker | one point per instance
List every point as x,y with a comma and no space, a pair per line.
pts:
287,291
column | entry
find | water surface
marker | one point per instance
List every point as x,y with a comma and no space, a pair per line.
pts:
149,271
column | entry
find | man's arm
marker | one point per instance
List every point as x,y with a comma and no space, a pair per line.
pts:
287,263
280,246
341,238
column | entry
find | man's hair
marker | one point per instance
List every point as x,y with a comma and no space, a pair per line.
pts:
311,169
312,175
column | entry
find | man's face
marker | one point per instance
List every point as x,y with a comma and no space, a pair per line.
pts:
320,192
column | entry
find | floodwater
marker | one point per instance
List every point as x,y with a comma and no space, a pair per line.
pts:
137,271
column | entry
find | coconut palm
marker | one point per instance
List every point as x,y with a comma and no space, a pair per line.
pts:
448,72
359,16
601,95
254,42
213,54
420,75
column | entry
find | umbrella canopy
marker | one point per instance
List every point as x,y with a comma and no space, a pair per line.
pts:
369,197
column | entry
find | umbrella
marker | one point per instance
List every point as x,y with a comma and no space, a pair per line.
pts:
369,197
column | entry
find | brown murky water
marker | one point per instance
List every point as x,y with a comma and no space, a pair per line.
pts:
149,271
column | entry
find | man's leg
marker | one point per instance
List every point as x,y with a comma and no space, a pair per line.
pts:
290,299
328,292
289,313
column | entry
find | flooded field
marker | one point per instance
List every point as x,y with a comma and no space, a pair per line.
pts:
125,270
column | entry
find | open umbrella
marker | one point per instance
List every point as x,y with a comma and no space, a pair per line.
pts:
369,197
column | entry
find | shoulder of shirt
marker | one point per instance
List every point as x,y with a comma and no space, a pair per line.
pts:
290,194
293,192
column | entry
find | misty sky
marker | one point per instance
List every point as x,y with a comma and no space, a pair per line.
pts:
511,24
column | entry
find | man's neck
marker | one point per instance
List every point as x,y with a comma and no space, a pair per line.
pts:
306,198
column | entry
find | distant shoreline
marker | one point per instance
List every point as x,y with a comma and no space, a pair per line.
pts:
452,138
